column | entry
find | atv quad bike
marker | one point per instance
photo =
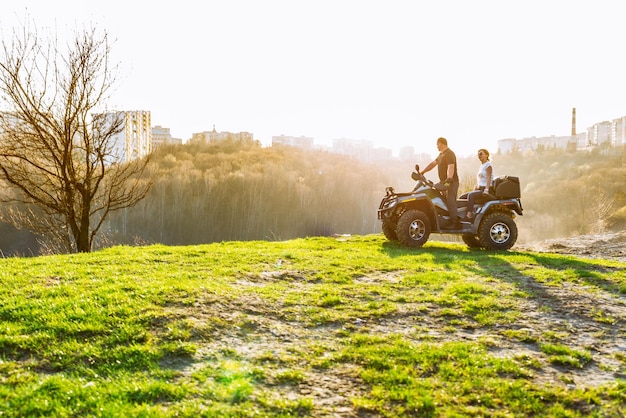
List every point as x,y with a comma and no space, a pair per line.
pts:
411,217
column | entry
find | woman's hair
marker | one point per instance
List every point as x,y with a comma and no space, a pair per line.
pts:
484,151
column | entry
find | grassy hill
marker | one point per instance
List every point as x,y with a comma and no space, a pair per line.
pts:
346,326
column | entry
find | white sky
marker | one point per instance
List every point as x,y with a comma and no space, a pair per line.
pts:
395,72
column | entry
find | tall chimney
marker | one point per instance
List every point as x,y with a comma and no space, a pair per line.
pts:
574,121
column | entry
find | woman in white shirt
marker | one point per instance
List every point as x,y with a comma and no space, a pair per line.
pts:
483,178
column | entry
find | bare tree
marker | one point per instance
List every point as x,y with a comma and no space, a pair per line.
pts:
57,148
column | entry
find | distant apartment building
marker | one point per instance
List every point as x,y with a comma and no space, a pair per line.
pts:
581,140
534,143
361,149
162,136
599,133
381,154
135,139
408,153
506,146
304,142
618,131
213,137
602,134
355,148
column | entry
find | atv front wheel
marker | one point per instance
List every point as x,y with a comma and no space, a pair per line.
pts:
389,229
497,231
471,241
413,228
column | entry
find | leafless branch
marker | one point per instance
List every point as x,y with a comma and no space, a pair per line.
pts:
56,145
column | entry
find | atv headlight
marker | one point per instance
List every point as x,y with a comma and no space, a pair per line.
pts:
390,204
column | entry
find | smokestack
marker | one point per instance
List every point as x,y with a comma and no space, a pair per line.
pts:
574,121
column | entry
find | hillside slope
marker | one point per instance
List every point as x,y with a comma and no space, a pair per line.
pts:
343,327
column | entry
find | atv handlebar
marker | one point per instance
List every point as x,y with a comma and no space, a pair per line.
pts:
419,177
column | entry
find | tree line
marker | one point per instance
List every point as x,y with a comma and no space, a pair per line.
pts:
221,192
204,193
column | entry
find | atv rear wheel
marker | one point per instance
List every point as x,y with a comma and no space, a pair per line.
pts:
497,231
389,229
471,241
413,228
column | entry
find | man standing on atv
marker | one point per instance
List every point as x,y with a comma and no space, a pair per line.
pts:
448,177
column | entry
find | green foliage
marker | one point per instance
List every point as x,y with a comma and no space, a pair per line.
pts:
439,380
562,355
306,327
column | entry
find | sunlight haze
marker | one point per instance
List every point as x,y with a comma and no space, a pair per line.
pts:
395,73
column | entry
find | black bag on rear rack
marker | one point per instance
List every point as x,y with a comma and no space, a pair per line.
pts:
506,187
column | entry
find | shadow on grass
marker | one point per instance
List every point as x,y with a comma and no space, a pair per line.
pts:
540,277
495,263
514,267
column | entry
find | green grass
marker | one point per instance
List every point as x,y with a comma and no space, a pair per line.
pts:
563,355
278,328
